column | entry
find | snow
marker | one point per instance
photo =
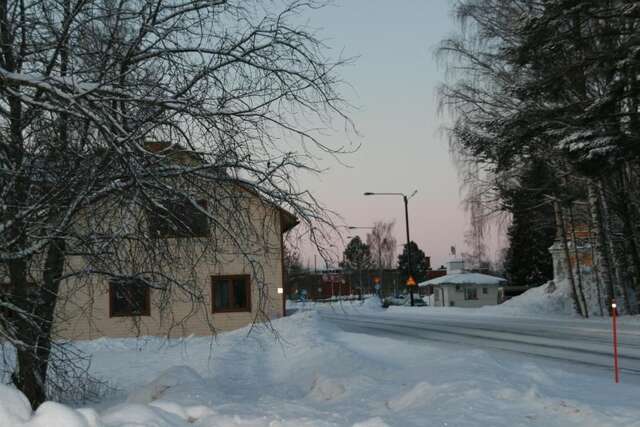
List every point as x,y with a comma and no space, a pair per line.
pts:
14,406
326,389
548,299
173,377
465,279
319,375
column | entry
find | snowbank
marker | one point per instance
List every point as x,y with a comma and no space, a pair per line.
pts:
549,299
326,389
170,378
317,375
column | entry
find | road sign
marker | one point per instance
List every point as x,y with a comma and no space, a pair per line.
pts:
411,281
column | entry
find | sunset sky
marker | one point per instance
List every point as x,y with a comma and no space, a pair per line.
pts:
393,84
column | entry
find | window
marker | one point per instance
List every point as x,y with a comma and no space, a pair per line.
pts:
485,291
452,303
231,293
180,219
458,288
129,297
470,293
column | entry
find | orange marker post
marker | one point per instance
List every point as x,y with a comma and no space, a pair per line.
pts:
615,341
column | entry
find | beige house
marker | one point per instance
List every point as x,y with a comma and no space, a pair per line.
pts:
232,286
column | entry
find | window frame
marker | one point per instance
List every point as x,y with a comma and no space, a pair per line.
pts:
146,312
247,281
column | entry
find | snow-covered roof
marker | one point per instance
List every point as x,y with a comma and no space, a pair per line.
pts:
465,279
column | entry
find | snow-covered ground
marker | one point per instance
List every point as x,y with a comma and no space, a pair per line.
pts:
316,374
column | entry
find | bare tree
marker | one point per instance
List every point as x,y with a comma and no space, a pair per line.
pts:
118,117
382,244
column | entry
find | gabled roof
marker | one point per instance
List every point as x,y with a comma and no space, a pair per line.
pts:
180,154
466,279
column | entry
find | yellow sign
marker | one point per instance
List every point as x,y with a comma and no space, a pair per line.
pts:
411,281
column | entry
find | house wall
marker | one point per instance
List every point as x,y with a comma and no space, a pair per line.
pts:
83,311
457,296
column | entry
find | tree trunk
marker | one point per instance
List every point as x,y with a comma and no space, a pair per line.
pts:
595,269
578,266
601,249
618,267
565,245
33,358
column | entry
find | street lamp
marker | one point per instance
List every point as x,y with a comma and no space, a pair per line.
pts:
406,217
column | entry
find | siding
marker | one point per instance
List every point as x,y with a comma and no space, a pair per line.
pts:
450,294
83,309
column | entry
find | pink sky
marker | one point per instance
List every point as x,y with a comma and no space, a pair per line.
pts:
393,84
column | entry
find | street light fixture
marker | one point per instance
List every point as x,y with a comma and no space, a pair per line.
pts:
405,198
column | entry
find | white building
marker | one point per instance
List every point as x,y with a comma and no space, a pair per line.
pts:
464,289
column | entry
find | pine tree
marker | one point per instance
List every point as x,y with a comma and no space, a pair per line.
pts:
419,263
532,231
556,81
357,258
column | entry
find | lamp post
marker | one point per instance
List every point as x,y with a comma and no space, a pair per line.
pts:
405,198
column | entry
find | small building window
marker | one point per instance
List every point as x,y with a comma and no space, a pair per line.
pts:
452,303
485,291
231,293
470,293
458,288
129,297
180,218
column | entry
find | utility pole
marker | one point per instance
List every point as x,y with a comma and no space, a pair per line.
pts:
409,264
410,280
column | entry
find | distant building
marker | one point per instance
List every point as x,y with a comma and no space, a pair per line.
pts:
460,288
580,254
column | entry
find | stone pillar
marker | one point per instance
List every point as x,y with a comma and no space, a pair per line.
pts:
560,267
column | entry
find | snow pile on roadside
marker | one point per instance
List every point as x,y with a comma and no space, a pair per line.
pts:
552,298
372,303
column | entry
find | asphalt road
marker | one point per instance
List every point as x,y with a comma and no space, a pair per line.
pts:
587,342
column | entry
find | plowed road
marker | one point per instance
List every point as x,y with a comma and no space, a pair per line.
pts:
587,342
